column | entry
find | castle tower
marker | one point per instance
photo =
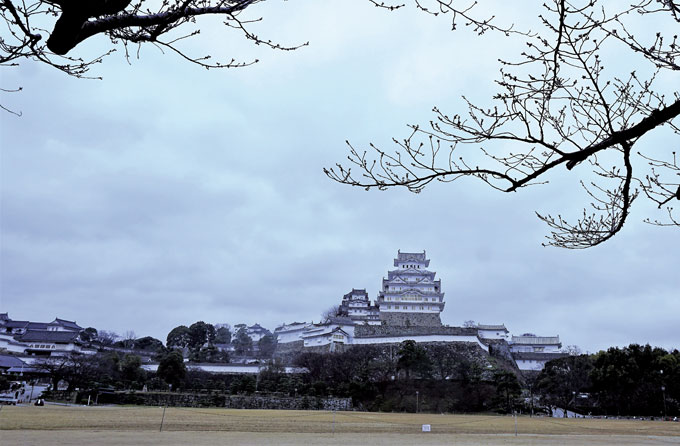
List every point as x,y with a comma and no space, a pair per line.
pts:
410,295
357,306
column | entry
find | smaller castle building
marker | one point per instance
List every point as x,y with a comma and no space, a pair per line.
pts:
531,352
357,306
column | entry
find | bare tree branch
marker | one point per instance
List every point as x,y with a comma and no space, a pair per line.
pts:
555,106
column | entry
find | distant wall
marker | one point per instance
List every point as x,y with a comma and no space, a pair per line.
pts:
229,401
420,339
386,334
232,369
364,331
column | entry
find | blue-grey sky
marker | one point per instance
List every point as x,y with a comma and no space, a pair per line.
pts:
166,193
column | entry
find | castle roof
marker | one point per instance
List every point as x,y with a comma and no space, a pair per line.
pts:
48,336
340,320
411,256
257,327
356,291
71,325
37,326
492,327
16,324
8,361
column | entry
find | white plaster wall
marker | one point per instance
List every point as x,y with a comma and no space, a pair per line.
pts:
289,336
493,334
9,344
530,364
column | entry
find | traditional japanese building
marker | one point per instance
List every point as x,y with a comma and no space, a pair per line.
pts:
529,342
487,331
357,306
32,340
410,295
531,352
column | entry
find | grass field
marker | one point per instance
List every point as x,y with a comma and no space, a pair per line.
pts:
59,425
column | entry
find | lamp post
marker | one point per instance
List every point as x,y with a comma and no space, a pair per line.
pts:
663,395
417,401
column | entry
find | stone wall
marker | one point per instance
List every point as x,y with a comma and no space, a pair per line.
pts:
287,351
221,400
370,331
500,349
411,319
289,347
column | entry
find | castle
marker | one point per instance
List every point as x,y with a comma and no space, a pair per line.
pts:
410,296
408,307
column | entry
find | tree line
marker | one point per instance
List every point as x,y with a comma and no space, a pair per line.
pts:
634,380
200,342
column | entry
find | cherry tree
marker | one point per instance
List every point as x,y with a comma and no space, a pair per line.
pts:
557,107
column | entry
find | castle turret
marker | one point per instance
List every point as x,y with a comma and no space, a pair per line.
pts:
357,306
410,295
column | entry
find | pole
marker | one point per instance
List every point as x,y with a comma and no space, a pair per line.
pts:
515,415
333,422
163,418
663,393
417,401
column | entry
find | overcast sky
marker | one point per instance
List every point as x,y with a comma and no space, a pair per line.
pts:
165,193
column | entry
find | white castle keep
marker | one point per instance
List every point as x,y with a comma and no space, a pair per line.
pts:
410,295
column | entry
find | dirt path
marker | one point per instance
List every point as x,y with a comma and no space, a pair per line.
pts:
119,438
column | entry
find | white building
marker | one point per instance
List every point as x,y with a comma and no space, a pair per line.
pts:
535,361
492,331
529,342
338,330
12,327
410,295
357,306
41,339
290,332
531,352
257,332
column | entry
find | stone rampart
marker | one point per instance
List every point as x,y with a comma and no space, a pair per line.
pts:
174,399
288,347
372,331
411,319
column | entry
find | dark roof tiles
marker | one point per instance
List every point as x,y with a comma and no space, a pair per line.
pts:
48,336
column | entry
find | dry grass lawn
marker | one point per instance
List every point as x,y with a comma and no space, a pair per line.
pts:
59,425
